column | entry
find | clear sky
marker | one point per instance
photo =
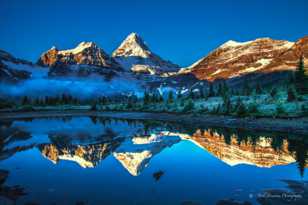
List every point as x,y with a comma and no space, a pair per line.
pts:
178,30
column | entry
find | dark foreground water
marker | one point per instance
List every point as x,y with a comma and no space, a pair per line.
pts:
83,160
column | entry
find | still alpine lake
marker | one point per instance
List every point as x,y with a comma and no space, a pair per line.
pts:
89,160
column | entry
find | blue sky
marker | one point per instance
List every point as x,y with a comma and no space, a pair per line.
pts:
178,30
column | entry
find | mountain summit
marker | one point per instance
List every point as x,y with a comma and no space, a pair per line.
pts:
133,45
134,55
87,53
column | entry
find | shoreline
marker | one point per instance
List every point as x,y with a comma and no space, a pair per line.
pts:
294,125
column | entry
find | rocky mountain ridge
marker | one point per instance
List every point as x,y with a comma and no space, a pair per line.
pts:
235,59
87,53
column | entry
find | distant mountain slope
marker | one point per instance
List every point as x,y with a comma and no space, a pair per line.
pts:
8,65
234,59
134,55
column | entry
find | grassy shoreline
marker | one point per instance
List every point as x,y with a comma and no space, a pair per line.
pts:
294,125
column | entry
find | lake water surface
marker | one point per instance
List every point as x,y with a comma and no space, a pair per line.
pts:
87,160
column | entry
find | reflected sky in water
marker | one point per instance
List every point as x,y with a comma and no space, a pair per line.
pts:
83,160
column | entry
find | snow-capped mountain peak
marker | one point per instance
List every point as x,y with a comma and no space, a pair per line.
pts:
53,48
87,53
134,55
133,45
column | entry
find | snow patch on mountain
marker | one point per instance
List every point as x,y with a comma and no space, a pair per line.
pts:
264,62
232,43
188,69
82,46
217,71
288,44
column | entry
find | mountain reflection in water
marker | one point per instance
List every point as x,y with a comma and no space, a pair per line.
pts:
89,141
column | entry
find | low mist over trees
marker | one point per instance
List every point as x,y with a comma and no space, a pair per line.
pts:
286,99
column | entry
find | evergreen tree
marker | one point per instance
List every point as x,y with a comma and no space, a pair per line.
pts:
94,105
246,89
133,99
301,79
104,100
291,79
203,93
223,89
279,109
64,99
273,92
37,101
191,94
220,89
151,98
211,91
179,95
237,104
301,157
189,106
253,108
226,104
161,99
199,95
258,89
291,95
241,110
25,100
146,98
129,105
170,97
